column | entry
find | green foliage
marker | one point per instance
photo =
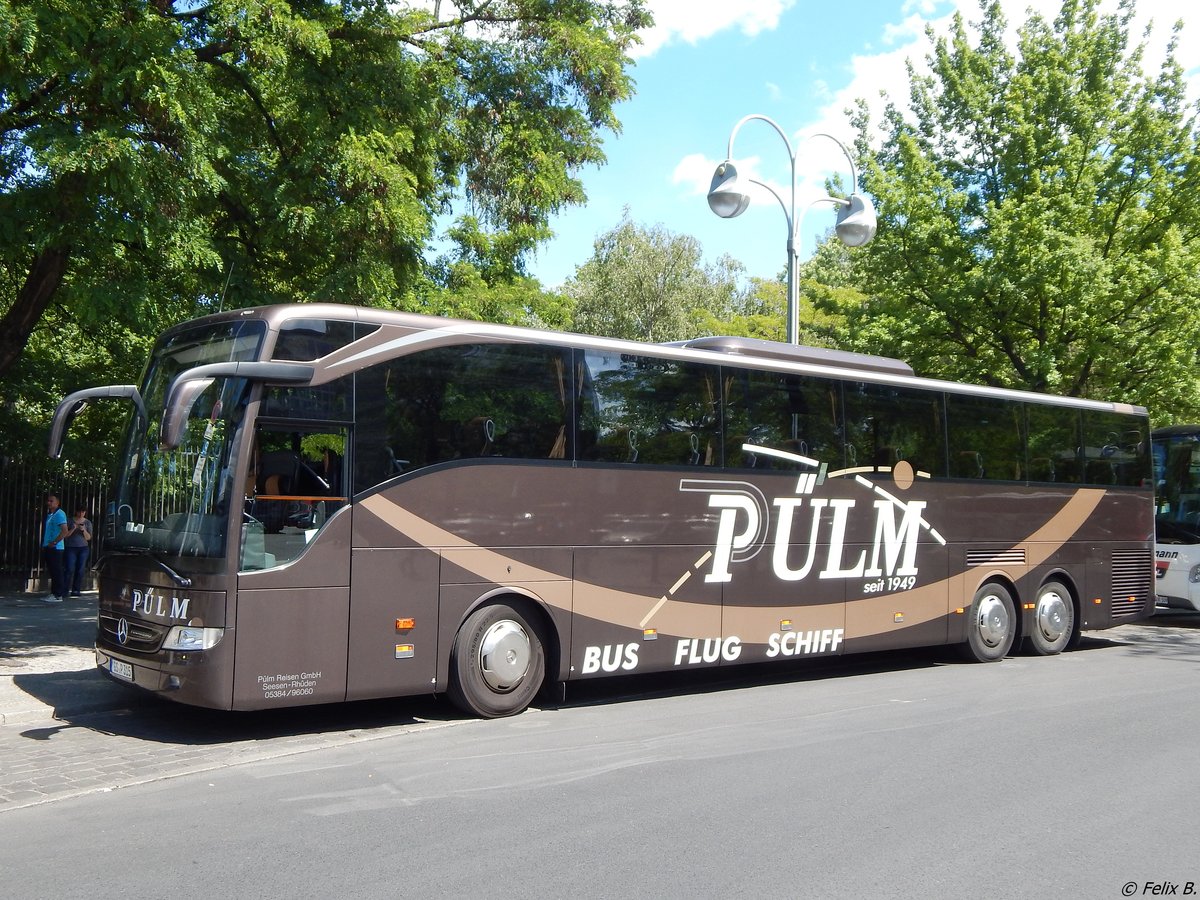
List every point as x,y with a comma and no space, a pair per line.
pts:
829,294
825,294
763,315
160,160
1037,219
650,284
461,292
64,356
312,446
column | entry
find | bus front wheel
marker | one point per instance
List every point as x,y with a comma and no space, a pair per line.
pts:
1054,620
497,664
992,625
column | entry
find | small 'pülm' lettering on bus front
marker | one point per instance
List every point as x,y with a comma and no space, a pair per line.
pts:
152,604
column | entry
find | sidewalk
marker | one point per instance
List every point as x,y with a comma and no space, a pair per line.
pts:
47,663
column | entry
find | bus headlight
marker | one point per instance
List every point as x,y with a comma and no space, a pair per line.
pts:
190,637
1194,575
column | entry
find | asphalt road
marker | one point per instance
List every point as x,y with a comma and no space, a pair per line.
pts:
893,775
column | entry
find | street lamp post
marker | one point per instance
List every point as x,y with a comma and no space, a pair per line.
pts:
855,224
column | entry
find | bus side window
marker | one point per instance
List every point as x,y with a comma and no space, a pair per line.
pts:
1041,468
298,486
460,402
1115,449
970,464
636,409
887,425
1053,443
799,415
986,439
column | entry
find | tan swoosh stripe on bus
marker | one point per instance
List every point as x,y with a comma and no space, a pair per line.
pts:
867,617
864,617
605,604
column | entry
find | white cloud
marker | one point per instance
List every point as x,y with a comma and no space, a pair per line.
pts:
926,8
692,21
905,32
694,172
871,73
815,161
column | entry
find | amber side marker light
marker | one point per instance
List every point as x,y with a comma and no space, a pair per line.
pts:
1097,601
406,624
1028,606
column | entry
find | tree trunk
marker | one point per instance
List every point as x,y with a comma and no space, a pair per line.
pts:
44,279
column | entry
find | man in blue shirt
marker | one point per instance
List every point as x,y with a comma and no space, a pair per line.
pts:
53,548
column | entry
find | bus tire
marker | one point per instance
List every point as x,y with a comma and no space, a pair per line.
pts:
1053,620
497,664
992,624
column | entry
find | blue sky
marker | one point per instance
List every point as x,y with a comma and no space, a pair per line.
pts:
708,63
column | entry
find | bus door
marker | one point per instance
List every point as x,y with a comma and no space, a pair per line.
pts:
293,594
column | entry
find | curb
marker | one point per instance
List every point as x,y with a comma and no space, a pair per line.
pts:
57,714
20,708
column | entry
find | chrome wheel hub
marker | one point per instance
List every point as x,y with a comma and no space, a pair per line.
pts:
1051,615
993,621
504,655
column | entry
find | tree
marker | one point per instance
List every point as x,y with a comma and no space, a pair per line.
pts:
651,284
828,293
1037,219
825,293
460,291
762,314
162,157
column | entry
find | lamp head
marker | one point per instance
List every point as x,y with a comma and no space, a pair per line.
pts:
856,222
725,198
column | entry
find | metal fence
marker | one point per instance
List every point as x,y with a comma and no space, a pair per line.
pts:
23,489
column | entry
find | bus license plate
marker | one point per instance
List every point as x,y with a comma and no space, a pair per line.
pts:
122,670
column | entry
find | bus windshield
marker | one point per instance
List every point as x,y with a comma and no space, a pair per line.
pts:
1177,485
177,502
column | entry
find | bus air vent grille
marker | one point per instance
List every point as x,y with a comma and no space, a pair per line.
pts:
1012,557
144,637
1131,574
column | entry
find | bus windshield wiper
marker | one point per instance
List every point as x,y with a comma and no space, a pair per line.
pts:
181,580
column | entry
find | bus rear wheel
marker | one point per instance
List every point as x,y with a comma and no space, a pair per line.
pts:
497,664
992,624
1054,620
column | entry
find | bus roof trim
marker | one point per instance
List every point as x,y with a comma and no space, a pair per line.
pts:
821,356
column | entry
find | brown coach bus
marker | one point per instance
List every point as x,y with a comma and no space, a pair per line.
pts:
320,503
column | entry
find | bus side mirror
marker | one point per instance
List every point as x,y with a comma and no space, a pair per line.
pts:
184,392
189,385
75,403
